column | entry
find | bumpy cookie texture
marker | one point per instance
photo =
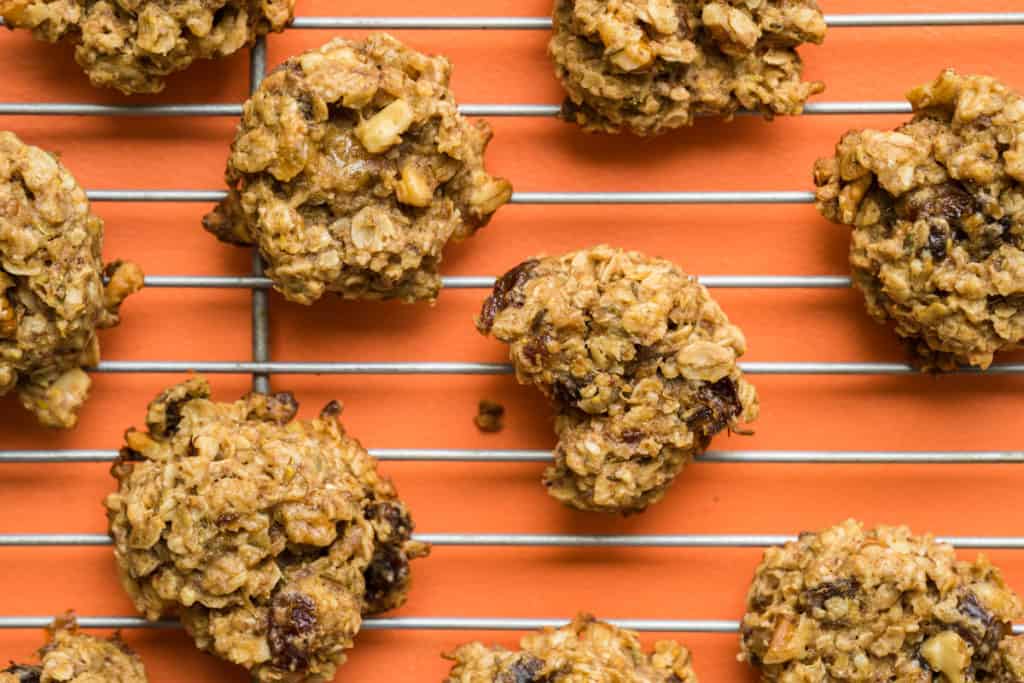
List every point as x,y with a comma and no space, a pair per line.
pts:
648,66
585,651
639,360
133,45
270,538
937,210
850,604
351,171
52,294
73,657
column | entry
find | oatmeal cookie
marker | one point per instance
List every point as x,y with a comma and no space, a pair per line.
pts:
73,657
937,211
639,361
133,45
352,169
269,538
648,66
52,295
850,604
585,651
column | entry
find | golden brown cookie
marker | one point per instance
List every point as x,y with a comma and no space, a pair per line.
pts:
73,657
937,211
352,169
857,605
585,651
648,66
639,361
52,294
270,538
133,45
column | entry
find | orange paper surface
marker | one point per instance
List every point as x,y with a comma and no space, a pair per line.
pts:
836,413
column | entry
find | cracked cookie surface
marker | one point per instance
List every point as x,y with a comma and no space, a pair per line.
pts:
73,657
852,604
351,171
52,295
270,538
648,66
937,211
639,361
133,45
585,651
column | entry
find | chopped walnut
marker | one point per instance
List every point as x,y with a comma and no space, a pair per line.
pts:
648,66
639,361
52,296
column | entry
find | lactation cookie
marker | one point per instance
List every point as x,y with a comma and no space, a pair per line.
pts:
639,361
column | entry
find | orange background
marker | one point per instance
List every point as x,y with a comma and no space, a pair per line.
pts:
919,412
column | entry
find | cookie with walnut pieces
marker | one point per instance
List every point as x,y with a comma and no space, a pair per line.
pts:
52,293
937,212
73,657
639,361
269,538
133,45
851,604
648,66
351,171
585,651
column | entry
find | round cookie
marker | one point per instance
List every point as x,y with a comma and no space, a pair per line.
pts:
937,211
52,295
352,169
133,46
639,361
585,651
269,538
648,66
73,657
850,604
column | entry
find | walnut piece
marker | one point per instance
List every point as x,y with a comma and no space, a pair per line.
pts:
269,538
648,66
133,46
853,605
937,211
352,169
639,361
52,296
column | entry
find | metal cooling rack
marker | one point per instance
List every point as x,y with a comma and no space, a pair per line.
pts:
261,366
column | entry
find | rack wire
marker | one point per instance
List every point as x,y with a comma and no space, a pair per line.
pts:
261,367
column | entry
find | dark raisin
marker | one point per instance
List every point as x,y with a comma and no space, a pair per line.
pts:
387,572
172,415
24,674
843,588
292,625
937,240
632,436
332,409
227,519
948,201
566,391
508,291
718,405
526,669
489,416
988,631
394,515
536,349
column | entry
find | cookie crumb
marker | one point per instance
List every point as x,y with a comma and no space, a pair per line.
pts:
490,416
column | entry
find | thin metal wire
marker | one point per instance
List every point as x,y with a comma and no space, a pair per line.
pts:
523,456
489,110
260,296
556,541
469,368
544,23
487,281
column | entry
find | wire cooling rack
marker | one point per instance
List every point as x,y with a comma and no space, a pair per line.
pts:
261,367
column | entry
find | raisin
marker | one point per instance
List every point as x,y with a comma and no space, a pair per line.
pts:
388,570
566,391
632,436
844,588
948,201
508,291
24,674
292,624
331,410
719,404
937,240
992,629
526,669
